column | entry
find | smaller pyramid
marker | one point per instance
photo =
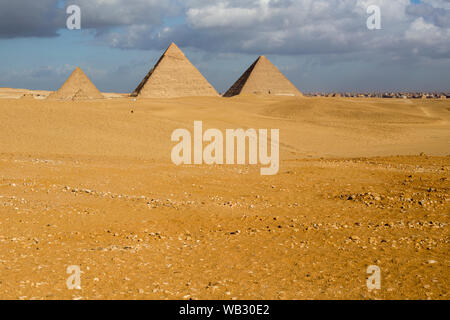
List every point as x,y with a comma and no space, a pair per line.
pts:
263,78
174,76
77,87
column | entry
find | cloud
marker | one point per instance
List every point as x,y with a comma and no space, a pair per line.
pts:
445,4
100,14
223,15
301,27
30,18
437,14
43,18
428,39
43,72
285,27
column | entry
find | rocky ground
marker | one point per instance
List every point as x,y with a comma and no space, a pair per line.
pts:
143,229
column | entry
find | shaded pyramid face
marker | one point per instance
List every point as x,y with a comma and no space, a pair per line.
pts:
77,87
263,78
174,76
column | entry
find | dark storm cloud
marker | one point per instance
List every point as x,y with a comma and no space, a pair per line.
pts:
30,18
43,18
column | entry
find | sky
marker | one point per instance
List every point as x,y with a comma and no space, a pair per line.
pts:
320,45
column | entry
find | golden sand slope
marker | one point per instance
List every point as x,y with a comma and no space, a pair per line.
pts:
91,184
9,93
308,127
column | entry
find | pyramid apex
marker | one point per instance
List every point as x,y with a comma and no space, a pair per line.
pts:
174,51
77,70
263,59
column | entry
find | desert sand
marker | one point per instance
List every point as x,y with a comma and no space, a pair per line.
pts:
362,182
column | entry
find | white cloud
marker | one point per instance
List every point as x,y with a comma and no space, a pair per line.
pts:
222,14
316,26
428,39
444,4
113,13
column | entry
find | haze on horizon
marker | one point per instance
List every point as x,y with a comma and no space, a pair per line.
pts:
321,45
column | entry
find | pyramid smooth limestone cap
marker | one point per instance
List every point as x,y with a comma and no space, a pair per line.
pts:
173,46
173,49
262,59
78,70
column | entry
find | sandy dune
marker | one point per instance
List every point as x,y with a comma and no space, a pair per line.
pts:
10,93
91,184
309,127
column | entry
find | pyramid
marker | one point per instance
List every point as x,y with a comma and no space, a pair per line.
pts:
77,87
174,76
263,78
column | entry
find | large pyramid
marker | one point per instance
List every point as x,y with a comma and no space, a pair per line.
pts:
263,78
174,76
77,87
